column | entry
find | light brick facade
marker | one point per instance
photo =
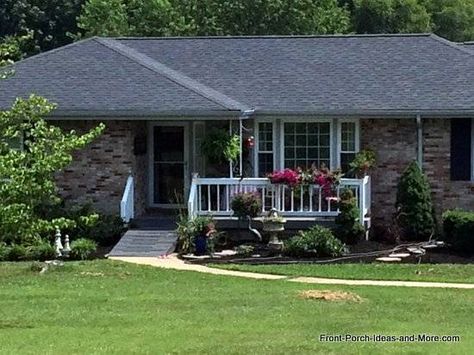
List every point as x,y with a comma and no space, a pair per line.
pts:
99,172
395,142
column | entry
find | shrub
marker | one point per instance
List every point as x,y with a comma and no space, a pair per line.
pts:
41,251
348,226
246,204
3,251
458,228
82,249
16,252
188,229
414,216
245,250
317,241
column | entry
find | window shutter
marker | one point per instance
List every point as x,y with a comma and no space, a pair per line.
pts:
461,149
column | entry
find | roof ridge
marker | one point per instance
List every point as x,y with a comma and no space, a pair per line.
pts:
452,44
173,75
349,35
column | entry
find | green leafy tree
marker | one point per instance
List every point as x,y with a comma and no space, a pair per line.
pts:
50,21
104,18
415,214
453,19
212,17
391,16
27,175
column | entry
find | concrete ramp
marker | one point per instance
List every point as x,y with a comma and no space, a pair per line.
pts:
145,243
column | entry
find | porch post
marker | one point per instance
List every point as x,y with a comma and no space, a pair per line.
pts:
240,145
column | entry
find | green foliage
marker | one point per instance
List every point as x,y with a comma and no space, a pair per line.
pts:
16,252
104,229
245,250
348,226
50,22
453,19
220,147
212,17
246,204
82,249
458,228
188,229
414,207
317,241
104,18
391,16
41,251
27,176
363,162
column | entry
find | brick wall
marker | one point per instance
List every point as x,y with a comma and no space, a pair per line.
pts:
394,141
99,172
447,194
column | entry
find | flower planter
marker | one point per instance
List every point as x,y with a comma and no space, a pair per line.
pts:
200,243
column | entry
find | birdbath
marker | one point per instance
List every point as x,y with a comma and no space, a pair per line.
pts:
274,224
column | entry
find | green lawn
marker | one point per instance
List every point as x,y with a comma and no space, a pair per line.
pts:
112,307
376,271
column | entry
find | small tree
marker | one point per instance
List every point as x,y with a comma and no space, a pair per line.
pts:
348,226
27,175
414,216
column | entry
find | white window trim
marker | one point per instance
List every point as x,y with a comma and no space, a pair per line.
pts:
257,143
339,138
307,120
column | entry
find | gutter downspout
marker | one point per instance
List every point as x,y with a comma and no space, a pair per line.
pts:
419,136
244,115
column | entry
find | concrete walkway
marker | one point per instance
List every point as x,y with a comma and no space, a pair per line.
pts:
173,262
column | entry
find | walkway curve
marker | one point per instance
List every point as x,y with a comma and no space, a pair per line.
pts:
173,262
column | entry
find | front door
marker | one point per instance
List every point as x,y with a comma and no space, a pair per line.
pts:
169,165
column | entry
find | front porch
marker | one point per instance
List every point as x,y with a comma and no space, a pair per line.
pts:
180,175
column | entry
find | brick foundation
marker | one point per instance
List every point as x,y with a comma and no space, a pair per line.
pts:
99,172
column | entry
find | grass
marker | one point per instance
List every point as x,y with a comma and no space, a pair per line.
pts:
376,271
117,308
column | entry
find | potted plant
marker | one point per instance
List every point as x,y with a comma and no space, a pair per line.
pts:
204,229
363,162
220,149
246,204
328,180
287,177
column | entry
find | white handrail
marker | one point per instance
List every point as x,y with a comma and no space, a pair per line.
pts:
192,200
127,208
213,196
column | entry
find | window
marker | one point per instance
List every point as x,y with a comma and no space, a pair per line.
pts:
349,144
307,143
265,148
461,149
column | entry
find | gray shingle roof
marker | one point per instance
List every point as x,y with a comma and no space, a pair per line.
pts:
332,75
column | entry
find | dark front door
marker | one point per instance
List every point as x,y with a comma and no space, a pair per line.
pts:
169,165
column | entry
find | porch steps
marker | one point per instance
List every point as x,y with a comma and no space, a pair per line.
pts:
145,243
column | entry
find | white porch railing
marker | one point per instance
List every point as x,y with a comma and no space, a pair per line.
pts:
213,196
127,211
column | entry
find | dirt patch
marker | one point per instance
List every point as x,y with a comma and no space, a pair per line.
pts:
327,295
